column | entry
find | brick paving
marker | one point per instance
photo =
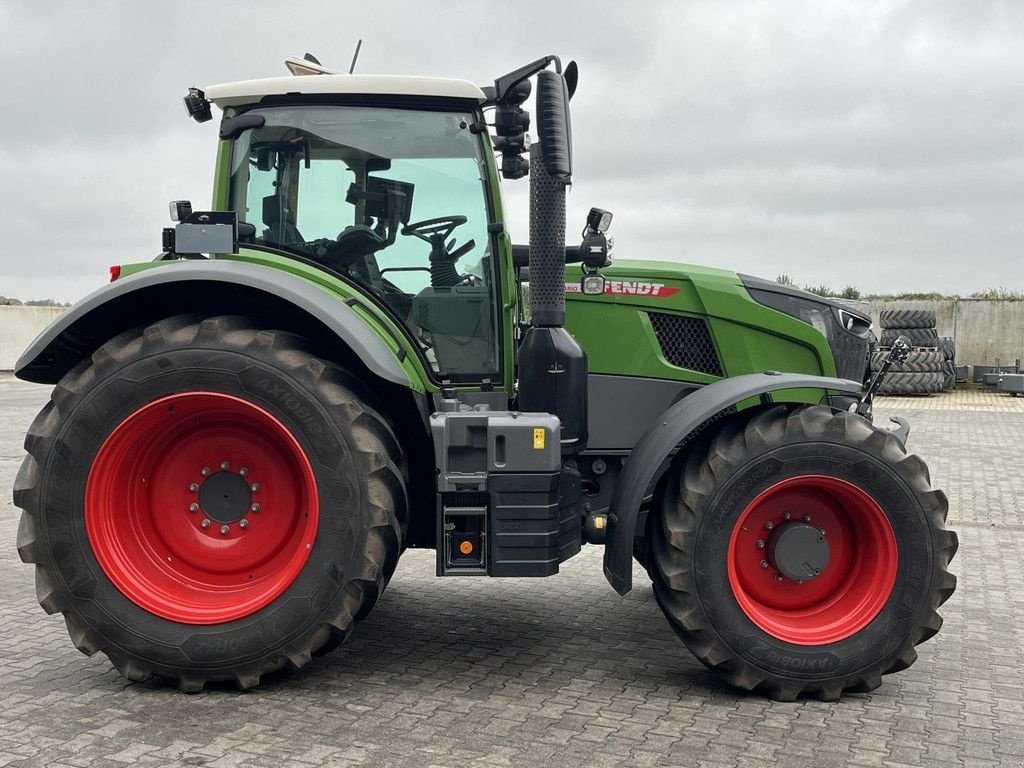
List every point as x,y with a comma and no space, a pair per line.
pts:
967,398
559,672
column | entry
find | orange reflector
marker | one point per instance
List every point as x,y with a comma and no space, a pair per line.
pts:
466,547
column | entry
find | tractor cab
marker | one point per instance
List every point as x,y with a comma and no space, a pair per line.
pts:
383,181
394,199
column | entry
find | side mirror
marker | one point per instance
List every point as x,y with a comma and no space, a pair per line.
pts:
553,125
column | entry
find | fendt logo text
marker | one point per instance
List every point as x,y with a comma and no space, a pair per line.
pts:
630,287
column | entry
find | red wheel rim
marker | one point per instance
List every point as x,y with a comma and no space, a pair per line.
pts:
201,508
853,586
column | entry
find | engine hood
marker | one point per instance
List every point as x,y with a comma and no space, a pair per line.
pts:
761,285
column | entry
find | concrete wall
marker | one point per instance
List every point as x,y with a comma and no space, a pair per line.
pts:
18,327
985,331
989,331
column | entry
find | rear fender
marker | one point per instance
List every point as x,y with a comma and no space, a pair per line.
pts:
225,287
670,430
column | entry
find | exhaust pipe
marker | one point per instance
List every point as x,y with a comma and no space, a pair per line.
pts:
552,366
547,245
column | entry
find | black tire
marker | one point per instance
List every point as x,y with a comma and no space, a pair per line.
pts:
947,347
918,337
907,318
704,502
916,362
356,467
912,383
949,380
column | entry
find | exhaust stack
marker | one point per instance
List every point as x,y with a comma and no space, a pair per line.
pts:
547,245
552,366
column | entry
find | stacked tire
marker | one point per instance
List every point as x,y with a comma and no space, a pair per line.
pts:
948,350
928,368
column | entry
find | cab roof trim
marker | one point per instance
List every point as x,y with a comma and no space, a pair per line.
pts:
252,91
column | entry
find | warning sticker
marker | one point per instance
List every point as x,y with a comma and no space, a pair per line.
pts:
538,439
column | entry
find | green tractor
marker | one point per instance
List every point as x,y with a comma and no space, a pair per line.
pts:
337,363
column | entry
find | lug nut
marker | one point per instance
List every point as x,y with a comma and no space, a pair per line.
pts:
778,577
821,531
224,465
243,471
225,530
205,471
193,507
786,516
764,563
243,523
194,487
807,518
255,487
768,526
255,508
205,523
760,544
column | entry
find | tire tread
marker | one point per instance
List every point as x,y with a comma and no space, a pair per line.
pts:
674,541
378,454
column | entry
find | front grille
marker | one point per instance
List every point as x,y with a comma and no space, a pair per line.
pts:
850,352
686,342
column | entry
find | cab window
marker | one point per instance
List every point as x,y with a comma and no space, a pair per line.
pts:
393,199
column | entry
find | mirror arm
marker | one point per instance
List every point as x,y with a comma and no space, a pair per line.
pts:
503,84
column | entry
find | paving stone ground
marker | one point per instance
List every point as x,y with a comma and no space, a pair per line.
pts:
553,672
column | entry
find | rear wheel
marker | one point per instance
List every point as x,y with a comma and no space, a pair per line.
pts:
803,552
206,501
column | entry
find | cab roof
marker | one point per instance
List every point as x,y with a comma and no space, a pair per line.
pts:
252,91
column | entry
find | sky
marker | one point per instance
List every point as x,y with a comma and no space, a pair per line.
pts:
873,144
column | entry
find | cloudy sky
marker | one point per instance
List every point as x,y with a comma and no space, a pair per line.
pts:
879,144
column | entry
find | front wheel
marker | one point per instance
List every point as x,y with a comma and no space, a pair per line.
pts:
802,552
206,501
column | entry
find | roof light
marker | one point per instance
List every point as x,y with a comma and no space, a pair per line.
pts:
197,106
180,209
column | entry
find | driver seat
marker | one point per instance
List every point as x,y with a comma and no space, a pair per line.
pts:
356,246
360,240
279,228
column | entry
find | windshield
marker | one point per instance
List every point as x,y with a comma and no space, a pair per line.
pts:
394,199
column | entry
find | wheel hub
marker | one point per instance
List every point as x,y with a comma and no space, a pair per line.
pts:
225,497
798,551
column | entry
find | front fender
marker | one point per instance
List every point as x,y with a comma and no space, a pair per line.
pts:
674,426
225,287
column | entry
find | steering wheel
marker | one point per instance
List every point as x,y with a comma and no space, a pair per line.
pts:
432,230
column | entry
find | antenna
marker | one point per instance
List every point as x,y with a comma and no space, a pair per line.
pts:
355,56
